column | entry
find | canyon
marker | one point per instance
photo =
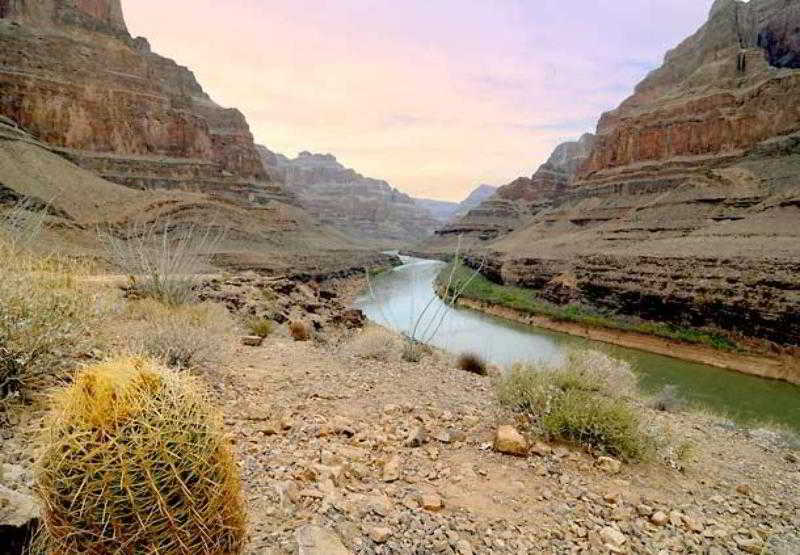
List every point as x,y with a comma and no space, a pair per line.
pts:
683,206
444,211
346,200
102,131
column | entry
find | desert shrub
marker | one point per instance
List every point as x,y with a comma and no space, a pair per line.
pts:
412,351
587,399
473,363
376,344
46,318
21,226
607,424
300,331
668,400
162,259
187,336
135,460
259,326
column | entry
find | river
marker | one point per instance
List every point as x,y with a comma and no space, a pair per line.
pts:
398,297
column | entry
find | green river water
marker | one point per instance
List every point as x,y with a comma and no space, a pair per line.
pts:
398,297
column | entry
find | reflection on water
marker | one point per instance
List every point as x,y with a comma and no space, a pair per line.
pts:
403,299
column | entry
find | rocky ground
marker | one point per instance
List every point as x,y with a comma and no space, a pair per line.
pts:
393,457
345,455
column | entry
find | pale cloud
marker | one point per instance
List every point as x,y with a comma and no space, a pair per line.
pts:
434,96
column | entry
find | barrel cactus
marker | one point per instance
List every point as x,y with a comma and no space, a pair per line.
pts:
135,460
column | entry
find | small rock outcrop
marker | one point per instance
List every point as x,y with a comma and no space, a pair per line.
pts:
314,540
509,441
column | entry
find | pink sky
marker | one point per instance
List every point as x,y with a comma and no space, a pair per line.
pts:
435,96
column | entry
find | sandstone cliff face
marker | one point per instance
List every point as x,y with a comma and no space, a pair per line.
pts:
71,75
686,207
515,203
367,208
97,15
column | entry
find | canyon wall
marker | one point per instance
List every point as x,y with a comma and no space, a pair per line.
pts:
72,76
513,204
363,207
685,208
444,212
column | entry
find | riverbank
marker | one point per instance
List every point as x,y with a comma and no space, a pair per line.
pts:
351,449
520,305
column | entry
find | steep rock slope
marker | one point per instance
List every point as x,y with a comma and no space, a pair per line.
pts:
99,130
343,198
512,205
74,78
276,237
445,212
687,206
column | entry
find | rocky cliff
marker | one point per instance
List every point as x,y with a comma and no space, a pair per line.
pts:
512,205
444,212
367,208
74,78
685,208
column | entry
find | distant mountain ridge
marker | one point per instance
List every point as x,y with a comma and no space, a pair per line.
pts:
510,205
444,211
364,207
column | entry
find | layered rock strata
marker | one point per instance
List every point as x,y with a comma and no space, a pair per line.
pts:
444,212
685,209
513,204
341,197
72,76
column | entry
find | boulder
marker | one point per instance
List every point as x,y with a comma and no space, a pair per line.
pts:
314,540
509,441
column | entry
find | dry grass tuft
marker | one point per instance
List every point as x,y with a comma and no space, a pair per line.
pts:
161,258
375,343
47,317
260,327
135,460
473,363
187,336
300,331
586,400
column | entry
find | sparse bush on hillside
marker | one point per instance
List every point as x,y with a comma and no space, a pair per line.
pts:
161,259
473,363
413,351
135,460
46,315
608,424
188,336
585,400
260,327
300,331
375,343
21,226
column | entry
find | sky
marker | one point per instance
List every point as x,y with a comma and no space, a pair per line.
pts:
435,96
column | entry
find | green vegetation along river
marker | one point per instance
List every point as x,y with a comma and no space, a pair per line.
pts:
404,299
